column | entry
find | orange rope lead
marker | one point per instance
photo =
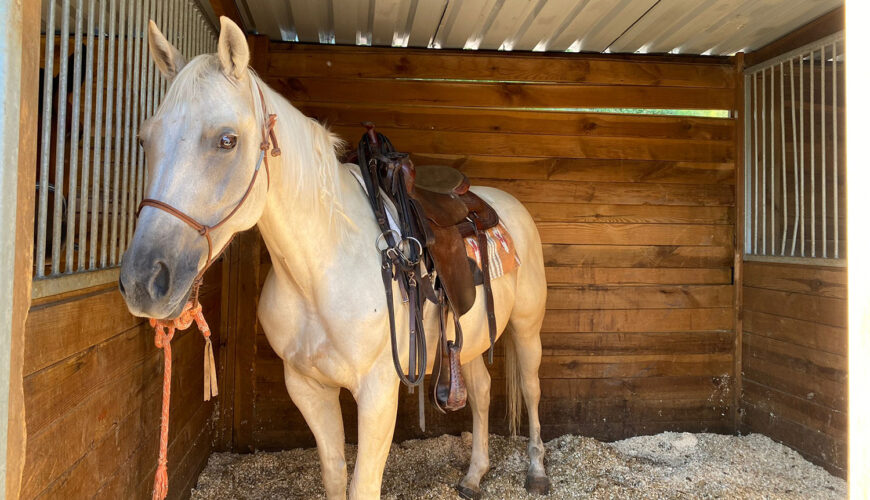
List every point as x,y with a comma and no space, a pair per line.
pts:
164,330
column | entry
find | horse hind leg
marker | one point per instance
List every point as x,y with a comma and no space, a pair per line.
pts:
523,359
478,382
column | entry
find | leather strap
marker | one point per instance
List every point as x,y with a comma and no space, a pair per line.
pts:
487,282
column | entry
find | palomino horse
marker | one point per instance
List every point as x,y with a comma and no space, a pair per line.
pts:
322,306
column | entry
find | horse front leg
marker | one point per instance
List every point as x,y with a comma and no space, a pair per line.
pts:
320,407
377,401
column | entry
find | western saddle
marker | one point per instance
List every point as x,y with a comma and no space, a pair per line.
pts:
426,255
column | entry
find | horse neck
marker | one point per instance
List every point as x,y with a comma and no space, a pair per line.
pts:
301,221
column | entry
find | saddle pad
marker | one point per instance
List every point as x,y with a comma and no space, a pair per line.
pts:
503,258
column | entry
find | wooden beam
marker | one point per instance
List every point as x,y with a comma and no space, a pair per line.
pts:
229,9
737,392
16,440
828,24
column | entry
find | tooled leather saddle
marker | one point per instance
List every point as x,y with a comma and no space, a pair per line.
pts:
424,252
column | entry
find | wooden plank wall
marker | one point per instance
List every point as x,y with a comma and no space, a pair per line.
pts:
92,391
636,215
794,358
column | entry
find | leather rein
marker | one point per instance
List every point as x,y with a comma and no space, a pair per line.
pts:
270,144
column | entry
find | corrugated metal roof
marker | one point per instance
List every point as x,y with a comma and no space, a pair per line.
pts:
714,27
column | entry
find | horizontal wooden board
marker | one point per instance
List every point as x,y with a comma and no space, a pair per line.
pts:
824,310
594,297
784,405
497,94
603,233
813,280
638,320
646,256
428,118
647,365
358,62
628,214
614,192
563,146
625,343
583,275
581,169
781,367
811,335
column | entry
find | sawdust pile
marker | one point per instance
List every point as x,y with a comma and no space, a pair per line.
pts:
667,465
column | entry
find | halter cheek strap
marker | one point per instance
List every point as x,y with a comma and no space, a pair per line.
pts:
268,144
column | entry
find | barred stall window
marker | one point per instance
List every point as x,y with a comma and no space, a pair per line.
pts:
795,161
97,83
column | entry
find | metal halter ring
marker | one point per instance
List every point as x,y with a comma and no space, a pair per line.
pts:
419,251
383,237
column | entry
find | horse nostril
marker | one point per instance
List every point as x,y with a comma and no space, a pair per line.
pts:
158,286
121,287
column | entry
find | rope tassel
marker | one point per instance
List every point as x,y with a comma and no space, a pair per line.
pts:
164,330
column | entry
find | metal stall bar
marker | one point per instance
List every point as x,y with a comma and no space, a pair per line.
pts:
794,143
45,151
130,148
107,150
755,162
86,141
124,149
812,155
74,141
782,141
98,141
772,164
835,153
57,236
763,165
141,87
119,106
802,169
824,162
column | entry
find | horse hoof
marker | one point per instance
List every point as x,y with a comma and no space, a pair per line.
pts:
468,493
539,485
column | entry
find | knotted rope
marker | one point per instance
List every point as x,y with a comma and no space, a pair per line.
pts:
164,330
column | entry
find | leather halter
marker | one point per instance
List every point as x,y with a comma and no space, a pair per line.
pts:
268,143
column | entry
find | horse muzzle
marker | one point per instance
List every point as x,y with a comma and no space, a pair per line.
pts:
156,281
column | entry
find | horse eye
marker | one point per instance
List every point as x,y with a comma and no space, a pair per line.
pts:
141,144
228,141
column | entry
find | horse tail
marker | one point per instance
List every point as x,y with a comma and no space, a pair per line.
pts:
513,382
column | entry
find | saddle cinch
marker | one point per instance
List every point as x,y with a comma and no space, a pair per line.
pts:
426,255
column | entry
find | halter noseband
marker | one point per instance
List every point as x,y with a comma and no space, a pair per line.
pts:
268,143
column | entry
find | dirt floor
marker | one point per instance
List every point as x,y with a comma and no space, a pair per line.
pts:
667,465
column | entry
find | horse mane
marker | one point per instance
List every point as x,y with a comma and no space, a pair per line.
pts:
307,146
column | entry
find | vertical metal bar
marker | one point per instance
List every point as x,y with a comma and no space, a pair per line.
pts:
801,135
794,146
141,89
86,139
772,164
96,208
45,142
107,150
129,103
824,143
188,30
782,141
74,142
748,161
763,164
755,163
812,154
57,236
119,105
836,114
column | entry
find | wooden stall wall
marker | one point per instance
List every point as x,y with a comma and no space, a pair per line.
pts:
636,213
794,358
92,392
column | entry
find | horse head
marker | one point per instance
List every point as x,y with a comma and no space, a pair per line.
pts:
204,150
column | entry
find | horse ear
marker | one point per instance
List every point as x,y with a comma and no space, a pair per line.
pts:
233,49
167,58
